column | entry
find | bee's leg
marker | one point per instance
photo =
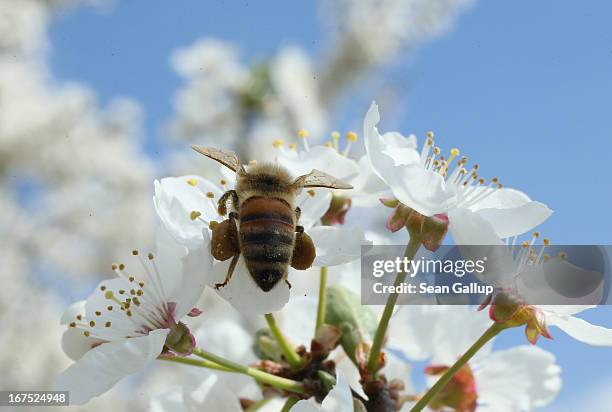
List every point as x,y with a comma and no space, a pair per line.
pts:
304,251
288,283
225,240
298,213
222,204
230,272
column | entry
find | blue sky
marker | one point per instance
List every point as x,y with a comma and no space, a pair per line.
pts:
523,88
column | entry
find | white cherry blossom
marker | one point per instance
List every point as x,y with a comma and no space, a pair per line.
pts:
433,184
127,322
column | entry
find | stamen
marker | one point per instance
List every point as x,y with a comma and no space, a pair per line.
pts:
278,143
192,182
350,138
303,134
292,146
335,135
426,147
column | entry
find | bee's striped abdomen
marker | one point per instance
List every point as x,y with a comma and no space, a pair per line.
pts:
267,233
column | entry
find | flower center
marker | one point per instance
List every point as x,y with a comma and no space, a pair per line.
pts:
468,186
145,306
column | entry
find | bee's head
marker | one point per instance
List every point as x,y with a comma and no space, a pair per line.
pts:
267,178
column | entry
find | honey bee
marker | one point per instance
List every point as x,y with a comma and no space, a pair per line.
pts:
263,222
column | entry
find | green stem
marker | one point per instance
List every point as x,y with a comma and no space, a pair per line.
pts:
197,362
290,354
381,330
289,404
444,379
322,299
258,375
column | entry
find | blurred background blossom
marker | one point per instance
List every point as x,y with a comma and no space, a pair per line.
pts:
77,166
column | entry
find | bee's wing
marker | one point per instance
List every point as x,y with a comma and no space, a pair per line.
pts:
225,157
317,178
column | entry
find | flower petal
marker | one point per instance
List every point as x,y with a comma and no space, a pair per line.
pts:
582,330
75,344
511,212
313,204
336,245
244,294
387,151
105,365
469,228
174,201
195,265
519,378
431,332
423,190
322,158
212,395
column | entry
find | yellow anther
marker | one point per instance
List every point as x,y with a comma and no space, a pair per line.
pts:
132,292
121,266
329,145
192,182
72,324
139,292
109,294
495,180
114,266
150,256
121,291
546,257
107,324
79,317
563,255
475,167
481,181
134,253
213,224
430,135
86,333
223,182
141,284
278,143
536,234
311,193
453,153
98,313
210,195
335,135
92,323
194,215
293,146
131,278
109,308
436,150
546,241
129,313
302,133
102,288
351,136
525,244
252,162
